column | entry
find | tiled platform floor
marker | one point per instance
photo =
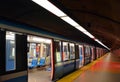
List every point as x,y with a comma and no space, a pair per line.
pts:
105,69
39,76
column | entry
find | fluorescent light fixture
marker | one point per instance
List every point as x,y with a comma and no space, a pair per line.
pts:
101,44
38,39
81,28
50,7
48,41
97,40
88,34
69,21
84,31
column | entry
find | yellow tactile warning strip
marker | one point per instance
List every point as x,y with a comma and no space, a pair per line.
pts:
74,75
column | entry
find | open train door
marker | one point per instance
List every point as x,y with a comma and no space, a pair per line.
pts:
40,59
13,57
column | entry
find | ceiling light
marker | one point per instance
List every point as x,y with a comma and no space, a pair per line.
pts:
101,44
69,21
81,28
48,41
88,34
50,7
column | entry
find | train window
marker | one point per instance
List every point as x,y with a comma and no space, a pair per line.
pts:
65,51
58,51
47,52
80,50
33,50
72,51
10,51
46,49
87,51
76,51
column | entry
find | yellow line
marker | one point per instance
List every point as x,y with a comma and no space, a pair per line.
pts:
74,75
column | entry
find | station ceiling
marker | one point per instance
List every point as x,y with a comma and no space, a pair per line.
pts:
100,17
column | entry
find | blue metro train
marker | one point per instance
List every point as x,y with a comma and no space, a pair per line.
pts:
24,49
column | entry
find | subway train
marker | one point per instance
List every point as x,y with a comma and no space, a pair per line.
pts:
25,50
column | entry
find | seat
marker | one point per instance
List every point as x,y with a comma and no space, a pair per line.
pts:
33,64
81,57
41,62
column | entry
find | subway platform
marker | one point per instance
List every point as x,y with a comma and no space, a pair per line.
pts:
104,69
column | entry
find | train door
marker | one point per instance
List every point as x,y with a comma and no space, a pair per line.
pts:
39,59
81,56
77,58
2,54
93,53
97,53
14,62
101,52
87,54
58,59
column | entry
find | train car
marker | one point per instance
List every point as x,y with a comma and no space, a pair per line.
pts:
26,51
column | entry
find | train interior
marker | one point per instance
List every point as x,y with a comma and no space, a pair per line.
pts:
39,59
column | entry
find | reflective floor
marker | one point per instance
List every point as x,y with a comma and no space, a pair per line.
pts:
105,70
36,75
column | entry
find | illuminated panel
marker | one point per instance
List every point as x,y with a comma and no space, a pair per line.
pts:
50,7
